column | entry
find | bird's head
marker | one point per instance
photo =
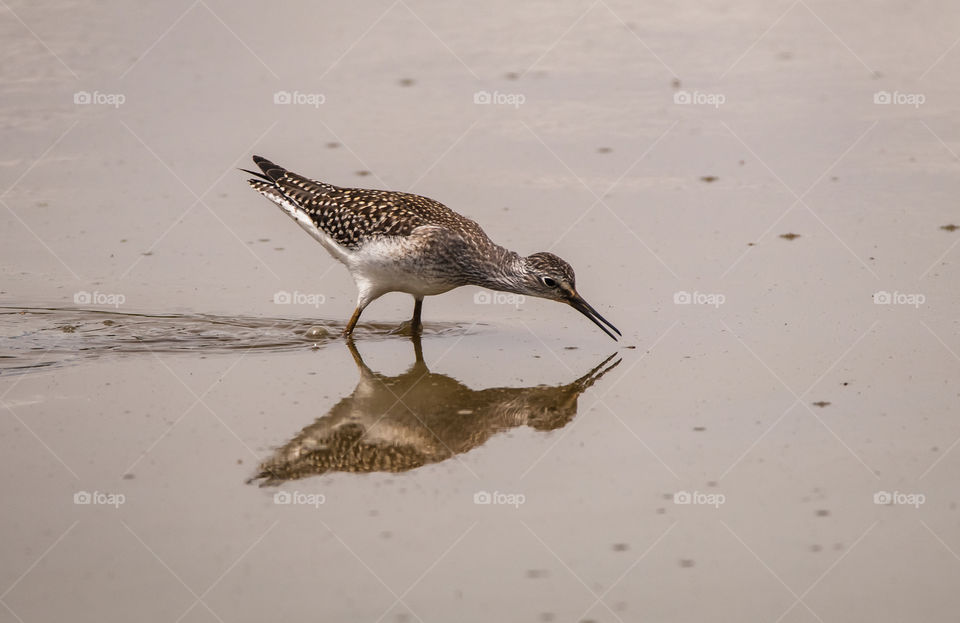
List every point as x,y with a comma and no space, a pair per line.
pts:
547,276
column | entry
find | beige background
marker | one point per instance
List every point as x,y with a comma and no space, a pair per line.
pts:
598,164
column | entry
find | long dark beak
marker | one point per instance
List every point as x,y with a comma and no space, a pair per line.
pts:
577,302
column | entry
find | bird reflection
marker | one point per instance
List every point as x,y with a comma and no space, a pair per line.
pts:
399,423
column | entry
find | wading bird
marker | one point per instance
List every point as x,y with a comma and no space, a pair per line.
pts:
398,242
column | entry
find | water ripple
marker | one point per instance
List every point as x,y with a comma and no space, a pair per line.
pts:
33,339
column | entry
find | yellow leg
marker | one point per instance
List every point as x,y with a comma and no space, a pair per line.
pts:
415,324
348,330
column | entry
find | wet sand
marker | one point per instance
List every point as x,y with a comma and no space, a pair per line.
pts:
754,194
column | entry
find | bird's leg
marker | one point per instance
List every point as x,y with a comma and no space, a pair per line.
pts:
366,297
415,325
348,330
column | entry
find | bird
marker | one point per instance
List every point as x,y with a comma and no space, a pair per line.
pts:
399,242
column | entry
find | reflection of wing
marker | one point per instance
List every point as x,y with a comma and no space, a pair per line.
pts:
368,431
342,450
438,417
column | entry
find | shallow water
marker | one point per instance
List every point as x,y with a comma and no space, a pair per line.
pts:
779,441
403,422
35,339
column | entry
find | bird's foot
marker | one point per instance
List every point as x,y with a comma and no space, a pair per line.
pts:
409,328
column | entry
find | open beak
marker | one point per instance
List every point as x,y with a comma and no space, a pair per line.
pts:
577,302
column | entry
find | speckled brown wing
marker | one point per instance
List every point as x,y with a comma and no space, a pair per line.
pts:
351,216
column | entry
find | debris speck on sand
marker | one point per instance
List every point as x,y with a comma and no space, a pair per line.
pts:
790,236
821,403
709,178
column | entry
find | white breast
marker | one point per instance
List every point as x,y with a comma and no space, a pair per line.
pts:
391,265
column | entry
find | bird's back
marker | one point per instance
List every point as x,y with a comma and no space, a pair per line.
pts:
354,216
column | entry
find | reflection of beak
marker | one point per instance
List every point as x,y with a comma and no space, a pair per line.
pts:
577,302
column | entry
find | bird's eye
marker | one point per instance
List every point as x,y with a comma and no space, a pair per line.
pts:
547,281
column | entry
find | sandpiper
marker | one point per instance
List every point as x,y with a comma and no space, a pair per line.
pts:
398,242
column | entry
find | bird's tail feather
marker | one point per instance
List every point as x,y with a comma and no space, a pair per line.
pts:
270,170
259,175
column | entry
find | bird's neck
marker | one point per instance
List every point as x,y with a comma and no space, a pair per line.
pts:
503,270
